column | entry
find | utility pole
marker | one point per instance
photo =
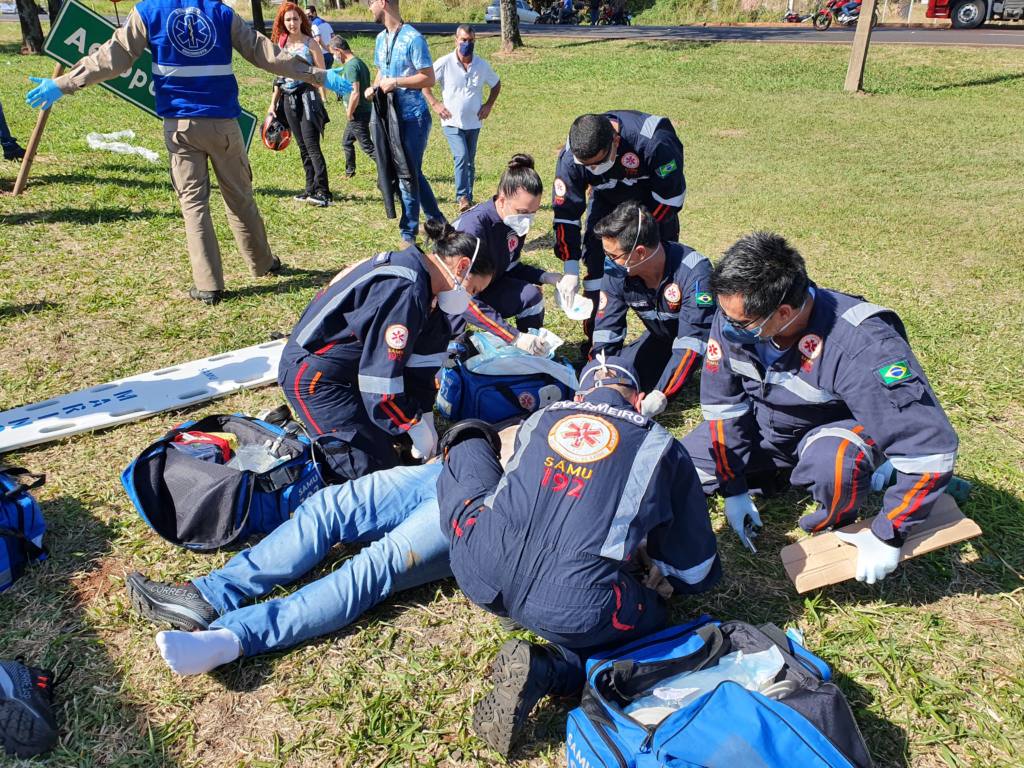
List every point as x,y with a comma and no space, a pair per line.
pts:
257,17
859,54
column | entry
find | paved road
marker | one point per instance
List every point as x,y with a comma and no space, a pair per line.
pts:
793,33
1011,37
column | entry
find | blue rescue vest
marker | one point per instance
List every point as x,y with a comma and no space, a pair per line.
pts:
191,45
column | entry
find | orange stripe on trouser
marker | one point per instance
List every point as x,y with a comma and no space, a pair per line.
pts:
718,448
909,496
302,403
488,323
393,412
931,478
312,384
681,372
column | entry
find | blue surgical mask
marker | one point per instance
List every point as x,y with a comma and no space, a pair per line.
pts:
466,49
753,335
614,269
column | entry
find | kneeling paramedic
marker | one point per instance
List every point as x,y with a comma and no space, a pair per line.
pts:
197,96
216,617
359,367
598,518
501,224
667,285
621,155
818,389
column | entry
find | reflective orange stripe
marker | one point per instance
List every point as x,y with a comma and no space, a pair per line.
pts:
681,372
909,495
488,323
933,478
312,384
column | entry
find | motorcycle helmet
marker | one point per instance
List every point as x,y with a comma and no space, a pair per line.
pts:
274,134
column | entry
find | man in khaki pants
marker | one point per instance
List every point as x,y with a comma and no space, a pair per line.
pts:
197,96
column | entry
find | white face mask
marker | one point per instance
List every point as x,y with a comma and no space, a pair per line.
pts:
519,222
456,300
603,167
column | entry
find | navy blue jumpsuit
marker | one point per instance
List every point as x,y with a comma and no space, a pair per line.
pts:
514,290
845,397
648,169
359,367
677,315
553,541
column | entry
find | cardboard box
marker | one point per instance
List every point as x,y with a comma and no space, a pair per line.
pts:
824,559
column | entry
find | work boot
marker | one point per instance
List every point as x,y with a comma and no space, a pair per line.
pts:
13,151
275,267
464,204
522,675
279,416
180,605
207,297
27,724
508,624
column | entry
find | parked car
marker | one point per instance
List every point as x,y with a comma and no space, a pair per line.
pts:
526,14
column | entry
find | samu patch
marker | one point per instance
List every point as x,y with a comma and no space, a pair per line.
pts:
892,374
667,168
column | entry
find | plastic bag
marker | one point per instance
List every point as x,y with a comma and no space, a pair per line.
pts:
112,143
753,671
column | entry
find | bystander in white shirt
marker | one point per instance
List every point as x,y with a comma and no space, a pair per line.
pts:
462,88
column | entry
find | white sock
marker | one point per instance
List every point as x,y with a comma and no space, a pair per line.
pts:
193,653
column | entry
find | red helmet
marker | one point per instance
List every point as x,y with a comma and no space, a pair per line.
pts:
274,134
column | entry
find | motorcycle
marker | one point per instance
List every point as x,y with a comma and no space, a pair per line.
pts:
610,17
832,11
553,15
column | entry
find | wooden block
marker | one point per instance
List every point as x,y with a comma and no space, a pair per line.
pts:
818,561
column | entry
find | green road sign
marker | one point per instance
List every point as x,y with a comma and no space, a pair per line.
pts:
78,31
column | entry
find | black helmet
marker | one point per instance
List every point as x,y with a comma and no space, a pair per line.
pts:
274,134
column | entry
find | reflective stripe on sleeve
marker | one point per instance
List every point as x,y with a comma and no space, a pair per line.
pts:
694,575
608,337
690,342
720,412
672,202
378,385
915,465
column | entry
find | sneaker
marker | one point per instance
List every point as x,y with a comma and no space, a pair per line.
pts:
464,204
521,677
27,724
279,416
275,267
207,297
301,198
508,624
180,605
320,201
14,152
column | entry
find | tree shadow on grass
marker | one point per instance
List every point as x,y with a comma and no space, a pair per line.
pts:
69,215
289,279
993,80
10,311
45,617
135,181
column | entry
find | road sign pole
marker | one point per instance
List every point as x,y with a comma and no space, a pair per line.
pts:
33,143
859,54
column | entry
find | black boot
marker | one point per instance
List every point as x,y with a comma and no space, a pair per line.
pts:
522,674
180,605
27,724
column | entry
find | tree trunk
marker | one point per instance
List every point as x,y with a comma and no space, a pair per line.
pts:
31,29
510,38
52,9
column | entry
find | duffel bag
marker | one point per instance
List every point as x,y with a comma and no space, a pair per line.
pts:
21,523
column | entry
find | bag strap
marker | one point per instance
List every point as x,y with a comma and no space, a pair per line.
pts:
32,550
38,479
628,679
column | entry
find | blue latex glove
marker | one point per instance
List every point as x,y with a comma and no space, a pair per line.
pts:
875,558
336,82
743,516
44,95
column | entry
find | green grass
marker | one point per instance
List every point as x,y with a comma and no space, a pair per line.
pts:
920,212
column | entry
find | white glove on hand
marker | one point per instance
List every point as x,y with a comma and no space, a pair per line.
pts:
881,476
875,558
653,404
530,344
738,510
566,286
424,437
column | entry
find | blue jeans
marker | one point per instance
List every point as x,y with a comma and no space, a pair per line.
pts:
395,509
415,133
6,140
463,144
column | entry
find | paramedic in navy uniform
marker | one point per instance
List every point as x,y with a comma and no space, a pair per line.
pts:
359,367
598,517
197,96
667,285
818,389
502,223
621,155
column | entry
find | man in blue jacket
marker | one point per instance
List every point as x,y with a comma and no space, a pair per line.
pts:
197,96
818,389
598,517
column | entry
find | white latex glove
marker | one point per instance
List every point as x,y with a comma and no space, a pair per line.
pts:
566,286
875,558
738,509
880,477
531,344
424,437
653,404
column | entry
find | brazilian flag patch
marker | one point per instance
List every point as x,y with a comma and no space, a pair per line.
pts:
704,299
893,373
667,168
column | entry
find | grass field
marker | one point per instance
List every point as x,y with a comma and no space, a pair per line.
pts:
910,195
